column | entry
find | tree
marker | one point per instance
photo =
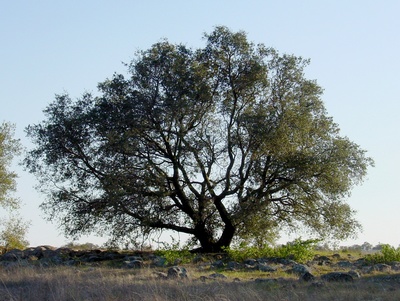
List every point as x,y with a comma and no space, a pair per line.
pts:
13,234
9,148
226,141
14,229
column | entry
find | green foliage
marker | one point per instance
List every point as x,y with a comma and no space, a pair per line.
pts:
13,233
387,254
298,250
227,141
9,147
174,254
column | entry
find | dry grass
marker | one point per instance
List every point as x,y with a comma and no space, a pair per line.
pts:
101,283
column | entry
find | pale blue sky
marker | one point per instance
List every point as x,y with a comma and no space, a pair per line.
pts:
49,47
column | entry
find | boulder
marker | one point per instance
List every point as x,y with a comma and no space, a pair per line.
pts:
13,255
307,277
217,264
395,266
250,261
265,268
322,260
381,267
299,269
233,265
177,272
134,264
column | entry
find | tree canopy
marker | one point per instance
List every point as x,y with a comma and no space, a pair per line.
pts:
13,231
9,147
222,142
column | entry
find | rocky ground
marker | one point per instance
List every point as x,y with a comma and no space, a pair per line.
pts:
47,273
322,269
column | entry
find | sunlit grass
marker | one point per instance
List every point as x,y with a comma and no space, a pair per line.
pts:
105,283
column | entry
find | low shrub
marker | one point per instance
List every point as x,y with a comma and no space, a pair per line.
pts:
298,250
175,256
386,255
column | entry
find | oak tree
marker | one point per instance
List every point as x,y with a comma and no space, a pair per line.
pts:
226,141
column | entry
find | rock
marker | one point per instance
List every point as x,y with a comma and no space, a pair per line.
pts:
345,264
250,261
322,260
337,277
161,275
354,274
38,251
71,262
177,272
134,264
233,265
133,258
113,255
395,266
49,253
307,277
286,261
159,261
367,269
93,258
218,264
299,269
32,258
199,258
13,255
265,268
381,267
13,265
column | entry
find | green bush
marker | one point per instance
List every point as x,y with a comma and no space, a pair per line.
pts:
245,252
174,254
386,255
298,250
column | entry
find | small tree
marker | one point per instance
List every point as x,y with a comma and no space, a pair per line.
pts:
9,147
13,234
14,229
226,141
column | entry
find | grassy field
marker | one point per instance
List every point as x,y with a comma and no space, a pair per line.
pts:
75,277
106,283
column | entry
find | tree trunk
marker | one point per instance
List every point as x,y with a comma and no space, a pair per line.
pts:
208,243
